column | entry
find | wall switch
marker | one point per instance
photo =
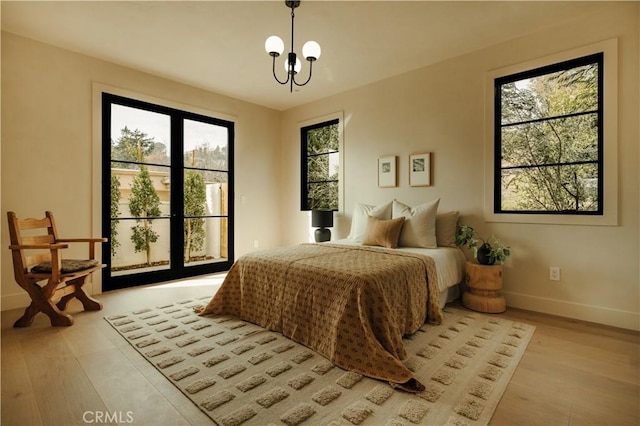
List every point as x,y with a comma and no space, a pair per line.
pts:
256,243
554,273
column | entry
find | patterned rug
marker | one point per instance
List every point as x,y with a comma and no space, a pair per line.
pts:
241,374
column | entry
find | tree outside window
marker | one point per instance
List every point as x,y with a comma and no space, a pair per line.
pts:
144,204
548,139
116,195
195,198
132,148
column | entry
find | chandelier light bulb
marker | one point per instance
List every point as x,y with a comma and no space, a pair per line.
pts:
296,68
274,46
311,51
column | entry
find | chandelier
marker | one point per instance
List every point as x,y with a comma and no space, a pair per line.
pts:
275,46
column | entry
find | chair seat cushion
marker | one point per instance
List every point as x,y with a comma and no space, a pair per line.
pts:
68,266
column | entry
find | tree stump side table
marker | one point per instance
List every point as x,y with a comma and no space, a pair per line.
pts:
484,283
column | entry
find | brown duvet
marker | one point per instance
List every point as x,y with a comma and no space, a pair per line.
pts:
351,304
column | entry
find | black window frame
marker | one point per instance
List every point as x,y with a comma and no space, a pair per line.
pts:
304,163
178,270
596,58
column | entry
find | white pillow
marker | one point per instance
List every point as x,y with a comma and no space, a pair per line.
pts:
359,218
419,229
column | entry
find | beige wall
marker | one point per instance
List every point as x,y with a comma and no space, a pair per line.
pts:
48,146
440,109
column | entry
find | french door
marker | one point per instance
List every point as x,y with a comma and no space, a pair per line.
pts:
167,204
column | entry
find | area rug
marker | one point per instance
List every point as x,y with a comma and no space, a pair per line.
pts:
241,374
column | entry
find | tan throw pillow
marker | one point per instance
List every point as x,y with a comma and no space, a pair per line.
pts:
419,229
446,228
383,233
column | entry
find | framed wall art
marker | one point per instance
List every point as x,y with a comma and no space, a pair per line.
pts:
387,171
420,169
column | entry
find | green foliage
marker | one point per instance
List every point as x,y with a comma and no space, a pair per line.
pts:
136,146
467,237
194,205
323,196
551,164
323,139
115,212
213,162
203,157
143,203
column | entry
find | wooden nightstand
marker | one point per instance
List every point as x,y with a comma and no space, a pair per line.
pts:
484,283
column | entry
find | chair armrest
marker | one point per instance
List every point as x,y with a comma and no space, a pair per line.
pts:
83,240
54,246
92,241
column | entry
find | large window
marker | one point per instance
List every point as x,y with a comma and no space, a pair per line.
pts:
320,148
549,139
167,191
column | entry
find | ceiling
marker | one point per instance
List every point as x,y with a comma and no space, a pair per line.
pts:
219,45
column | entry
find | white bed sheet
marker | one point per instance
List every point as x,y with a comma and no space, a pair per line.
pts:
450,262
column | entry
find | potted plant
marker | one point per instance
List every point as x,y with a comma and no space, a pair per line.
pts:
486,251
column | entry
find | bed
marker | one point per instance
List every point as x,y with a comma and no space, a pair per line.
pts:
349,300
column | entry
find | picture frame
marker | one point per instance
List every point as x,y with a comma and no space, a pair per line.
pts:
420,169
387,174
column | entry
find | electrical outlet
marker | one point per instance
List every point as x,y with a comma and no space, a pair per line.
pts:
554,273
256,243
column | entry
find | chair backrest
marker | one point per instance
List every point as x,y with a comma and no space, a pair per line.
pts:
31,232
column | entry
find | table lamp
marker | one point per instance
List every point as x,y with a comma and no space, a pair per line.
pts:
322,219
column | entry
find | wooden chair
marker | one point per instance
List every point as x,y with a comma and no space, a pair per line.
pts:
39,268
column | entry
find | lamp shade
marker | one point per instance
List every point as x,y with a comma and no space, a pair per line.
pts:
274,46
322,218
311,51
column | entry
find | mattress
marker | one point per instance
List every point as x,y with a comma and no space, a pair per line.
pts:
449,261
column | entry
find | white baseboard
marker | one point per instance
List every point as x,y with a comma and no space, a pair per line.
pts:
597,314
14,301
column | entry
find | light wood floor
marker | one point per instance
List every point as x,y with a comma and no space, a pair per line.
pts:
573,373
